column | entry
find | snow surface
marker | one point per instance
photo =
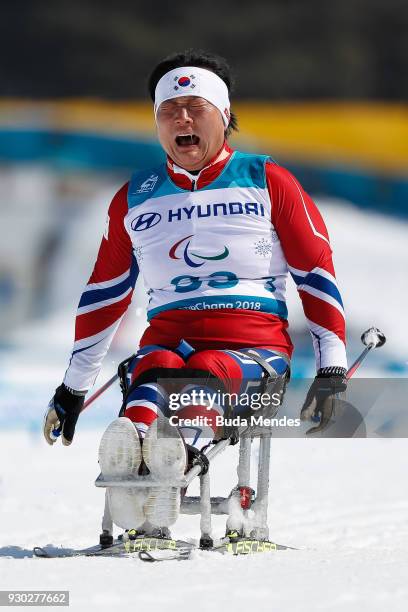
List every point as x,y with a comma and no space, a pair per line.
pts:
342,503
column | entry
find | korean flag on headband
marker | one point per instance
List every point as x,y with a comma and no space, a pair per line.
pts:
182,83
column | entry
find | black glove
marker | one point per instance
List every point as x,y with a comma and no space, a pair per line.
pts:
62,414
321,398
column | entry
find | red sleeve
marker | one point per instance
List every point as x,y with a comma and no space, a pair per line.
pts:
105,298
306,246
115,251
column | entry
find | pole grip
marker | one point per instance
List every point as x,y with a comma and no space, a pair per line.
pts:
372,338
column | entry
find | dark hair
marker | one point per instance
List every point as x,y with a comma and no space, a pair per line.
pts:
200,59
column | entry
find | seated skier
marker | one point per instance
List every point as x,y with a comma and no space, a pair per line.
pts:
213,232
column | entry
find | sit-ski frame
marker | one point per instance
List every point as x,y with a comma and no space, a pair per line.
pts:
205,505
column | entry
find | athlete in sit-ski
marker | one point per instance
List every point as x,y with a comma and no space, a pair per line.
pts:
214,233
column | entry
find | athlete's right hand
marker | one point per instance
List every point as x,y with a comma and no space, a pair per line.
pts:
61,416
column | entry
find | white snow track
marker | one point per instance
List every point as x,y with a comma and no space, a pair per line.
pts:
343,503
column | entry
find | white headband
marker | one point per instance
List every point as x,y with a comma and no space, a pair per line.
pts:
192,81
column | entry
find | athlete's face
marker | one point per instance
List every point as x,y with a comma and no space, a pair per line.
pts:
190,130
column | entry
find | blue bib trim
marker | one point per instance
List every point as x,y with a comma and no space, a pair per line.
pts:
242,170
218,302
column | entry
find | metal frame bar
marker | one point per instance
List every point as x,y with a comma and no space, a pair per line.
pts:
107,523
205,508
261,531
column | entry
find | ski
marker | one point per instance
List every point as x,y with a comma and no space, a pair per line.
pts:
151,549
165,554
248,546
120,547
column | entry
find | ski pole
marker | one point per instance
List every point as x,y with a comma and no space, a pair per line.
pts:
100,391
372,338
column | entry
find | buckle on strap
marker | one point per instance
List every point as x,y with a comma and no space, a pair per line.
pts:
261,361
184,349
197,457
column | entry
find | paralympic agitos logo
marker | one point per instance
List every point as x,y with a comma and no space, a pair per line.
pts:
190,257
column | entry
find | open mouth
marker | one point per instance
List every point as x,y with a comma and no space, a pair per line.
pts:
186,140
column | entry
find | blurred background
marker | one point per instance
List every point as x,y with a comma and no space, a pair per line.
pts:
320,85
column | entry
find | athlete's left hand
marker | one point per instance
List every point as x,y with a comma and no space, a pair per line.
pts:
62,414
320,402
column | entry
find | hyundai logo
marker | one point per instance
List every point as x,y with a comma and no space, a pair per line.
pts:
145,221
